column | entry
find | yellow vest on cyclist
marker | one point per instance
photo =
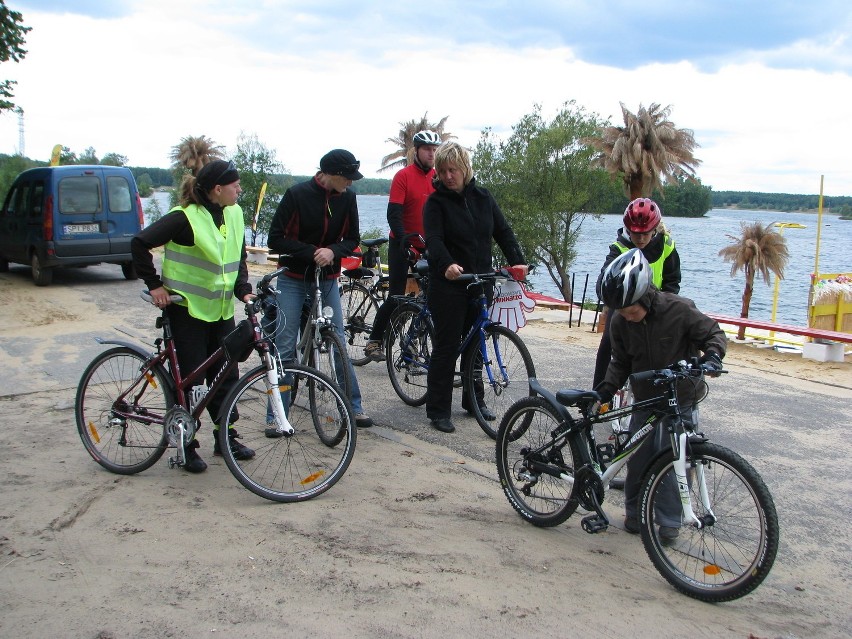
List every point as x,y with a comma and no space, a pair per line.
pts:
205,273
657,266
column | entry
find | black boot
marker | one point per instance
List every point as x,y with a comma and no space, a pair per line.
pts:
241,453
193,462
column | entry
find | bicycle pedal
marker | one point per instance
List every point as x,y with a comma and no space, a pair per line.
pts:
594,524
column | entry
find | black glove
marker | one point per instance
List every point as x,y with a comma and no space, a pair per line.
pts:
711,363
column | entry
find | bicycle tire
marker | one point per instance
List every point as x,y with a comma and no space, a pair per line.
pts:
294,467
540,498
332,360
134,439
408,349
501,345
730,558
359,313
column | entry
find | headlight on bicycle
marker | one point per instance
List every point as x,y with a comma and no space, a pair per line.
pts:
327,312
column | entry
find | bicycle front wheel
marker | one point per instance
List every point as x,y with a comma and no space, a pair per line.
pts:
408,348
536,473
359,314
119,410
293,467
498,379
731,555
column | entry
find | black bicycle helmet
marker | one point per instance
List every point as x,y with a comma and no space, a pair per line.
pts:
426,137
626,279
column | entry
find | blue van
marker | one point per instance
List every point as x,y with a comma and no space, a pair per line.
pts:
75,215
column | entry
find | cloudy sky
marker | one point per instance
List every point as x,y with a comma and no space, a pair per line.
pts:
765,86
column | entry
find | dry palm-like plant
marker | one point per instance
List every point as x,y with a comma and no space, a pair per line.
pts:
645,150
759,249
194,152
404,155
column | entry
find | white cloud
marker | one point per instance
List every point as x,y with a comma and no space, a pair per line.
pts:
137,84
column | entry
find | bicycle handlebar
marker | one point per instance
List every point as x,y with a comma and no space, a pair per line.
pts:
146,295
680,370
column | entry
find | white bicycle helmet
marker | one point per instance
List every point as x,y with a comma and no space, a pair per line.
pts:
426,137
626,279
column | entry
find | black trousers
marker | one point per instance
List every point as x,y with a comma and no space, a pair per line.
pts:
195,341
452,315
604,352
398,277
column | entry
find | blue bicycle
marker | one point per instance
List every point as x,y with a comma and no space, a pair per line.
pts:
496,364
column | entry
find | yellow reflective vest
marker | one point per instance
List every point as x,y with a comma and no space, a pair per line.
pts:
205,273
657,266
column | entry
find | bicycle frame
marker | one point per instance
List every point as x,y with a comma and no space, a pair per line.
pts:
167,354
482,322
580,432
319,319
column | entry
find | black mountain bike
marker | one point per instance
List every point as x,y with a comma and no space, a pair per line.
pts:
550,464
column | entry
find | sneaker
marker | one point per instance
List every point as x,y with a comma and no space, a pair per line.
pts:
241,452
192,462
631,525
668,535
363,421
373,350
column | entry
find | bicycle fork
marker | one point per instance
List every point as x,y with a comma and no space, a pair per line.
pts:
679,465
274,388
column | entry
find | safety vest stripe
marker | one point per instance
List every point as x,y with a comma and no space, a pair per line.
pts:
186,287
190,260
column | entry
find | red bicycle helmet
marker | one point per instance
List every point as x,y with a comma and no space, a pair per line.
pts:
642,215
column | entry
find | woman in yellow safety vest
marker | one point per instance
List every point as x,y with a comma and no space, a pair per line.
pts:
204,262
643,229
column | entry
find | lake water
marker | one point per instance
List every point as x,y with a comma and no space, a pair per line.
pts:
706,278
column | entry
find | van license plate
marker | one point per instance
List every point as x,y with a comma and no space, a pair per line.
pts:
71,229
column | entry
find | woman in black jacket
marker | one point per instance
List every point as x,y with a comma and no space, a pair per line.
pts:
459,219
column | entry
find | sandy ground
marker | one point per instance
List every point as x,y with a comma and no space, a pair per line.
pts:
417,540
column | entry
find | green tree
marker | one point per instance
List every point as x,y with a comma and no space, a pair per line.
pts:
645,150
153,212
759,249
10,166
67,156
12,32
543,180
404,154
145,185
115,159
89,156
256,164
685,197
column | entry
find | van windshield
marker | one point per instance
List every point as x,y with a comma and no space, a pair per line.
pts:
80,194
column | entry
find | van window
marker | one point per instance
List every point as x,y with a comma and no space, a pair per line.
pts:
17,200
119,194
80,194
36,200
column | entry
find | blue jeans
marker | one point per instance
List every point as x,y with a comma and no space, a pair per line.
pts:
292,295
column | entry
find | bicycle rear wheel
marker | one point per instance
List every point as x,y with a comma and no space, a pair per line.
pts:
119,410
331,359
498,380
359,314
408,350
534,473
732,556
294,467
